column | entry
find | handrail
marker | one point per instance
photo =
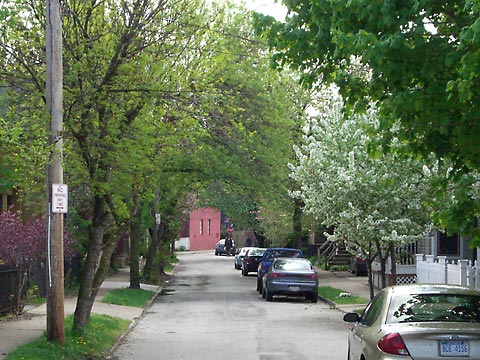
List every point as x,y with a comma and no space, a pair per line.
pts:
332,251
326,244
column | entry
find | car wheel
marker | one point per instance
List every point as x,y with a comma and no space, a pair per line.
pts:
244,272
314,298
269,295
216,253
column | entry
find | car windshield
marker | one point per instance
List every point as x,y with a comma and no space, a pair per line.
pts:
434,307
285,264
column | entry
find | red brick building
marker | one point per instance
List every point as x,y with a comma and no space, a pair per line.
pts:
204,228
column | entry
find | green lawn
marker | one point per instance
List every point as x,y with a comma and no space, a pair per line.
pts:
99,336
128,297
332,294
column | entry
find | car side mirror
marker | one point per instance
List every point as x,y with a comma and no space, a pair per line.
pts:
351,317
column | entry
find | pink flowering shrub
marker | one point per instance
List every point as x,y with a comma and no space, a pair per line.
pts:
10,229
23,258
23,243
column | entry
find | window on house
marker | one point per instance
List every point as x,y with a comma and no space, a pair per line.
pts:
208,226
448,245
201,227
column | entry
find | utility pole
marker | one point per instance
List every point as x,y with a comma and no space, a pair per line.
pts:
54,85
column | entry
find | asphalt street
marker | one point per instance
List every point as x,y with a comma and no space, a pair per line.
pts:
210,311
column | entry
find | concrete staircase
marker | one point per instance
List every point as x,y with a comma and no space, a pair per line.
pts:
335,253
341,258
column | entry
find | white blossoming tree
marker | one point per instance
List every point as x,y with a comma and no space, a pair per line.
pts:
373,200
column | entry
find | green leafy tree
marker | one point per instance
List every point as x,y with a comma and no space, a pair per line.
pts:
158,101
248,137
117,59
423,60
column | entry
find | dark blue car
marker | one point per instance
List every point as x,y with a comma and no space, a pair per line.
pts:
268,256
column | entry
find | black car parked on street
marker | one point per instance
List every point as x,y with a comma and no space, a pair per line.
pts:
251,260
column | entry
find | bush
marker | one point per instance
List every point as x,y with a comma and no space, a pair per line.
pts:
22,243
23,252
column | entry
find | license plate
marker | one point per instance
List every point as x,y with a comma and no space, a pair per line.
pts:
454,348
294,288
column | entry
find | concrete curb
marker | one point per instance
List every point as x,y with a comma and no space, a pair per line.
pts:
328,301
109,354
344,308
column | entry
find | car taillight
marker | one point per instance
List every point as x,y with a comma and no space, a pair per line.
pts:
275,275
393,344
311,276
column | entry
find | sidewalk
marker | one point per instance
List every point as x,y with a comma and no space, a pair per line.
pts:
33,323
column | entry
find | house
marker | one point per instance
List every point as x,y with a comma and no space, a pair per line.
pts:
437,246
448,260
453,247
203,230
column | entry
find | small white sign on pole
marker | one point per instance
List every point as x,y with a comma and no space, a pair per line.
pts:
59,198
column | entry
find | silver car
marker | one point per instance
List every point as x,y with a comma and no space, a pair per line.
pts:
417,322
290,277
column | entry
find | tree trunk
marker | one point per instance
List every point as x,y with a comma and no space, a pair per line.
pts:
164,234
383,267
88,286
148,271
393,259
297,224
370,277
370,258
135,229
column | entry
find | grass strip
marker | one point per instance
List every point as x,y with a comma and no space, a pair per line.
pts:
333,294
128,297
99,336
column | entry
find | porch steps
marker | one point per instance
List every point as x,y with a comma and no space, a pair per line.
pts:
340,257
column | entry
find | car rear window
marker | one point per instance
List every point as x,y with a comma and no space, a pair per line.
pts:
434,307
283,253
291,265
256,252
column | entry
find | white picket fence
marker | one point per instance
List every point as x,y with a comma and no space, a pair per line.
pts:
438,270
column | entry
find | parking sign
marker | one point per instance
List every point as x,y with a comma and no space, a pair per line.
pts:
59,198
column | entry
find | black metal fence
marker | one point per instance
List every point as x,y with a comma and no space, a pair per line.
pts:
13,288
